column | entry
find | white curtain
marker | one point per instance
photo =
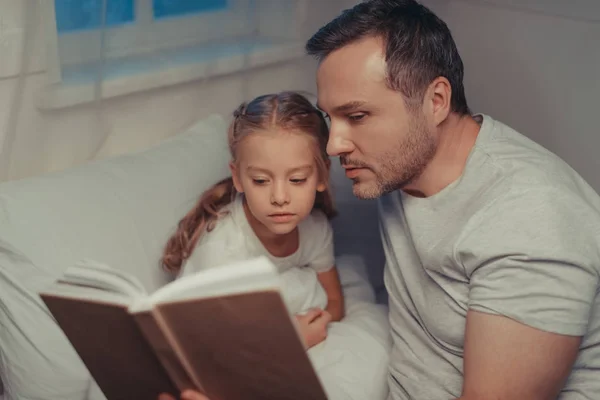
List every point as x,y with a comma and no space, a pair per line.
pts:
85,79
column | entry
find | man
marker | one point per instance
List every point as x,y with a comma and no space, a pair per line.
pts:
492,242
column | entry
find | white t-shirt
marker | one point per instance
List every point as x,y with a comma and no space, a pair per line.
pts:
517,235
233,239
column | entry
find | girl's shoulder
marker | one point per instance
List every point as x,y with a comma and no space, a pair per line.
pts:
316,227
316,218
221,245
222,229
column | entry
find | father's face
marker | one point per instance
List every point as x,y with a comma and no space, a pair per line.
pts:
382,145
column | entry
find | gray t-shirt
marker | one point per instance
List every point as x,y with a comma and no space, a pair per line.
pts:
518,235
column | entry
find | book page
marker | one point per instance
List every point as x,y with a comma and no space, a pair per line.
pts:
86,293
94,274
258,274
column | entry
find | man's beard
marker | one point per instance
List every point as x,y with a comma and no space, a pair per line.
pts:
400,166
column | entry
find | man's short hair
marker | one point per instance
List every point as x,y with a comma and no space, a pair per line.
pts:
418,46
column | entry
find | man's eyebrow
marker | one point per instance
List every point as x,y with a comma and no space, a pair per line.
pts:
350,106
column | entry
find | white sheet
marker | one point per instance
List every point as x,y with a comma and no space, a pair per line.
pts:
352,362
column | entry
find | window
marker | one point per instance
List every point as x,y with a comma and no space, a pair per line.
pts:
89,29
134,45
77,15
170,8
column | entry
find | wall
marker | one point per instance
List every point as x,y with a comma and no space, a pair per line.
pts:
534,65
529,63
53,140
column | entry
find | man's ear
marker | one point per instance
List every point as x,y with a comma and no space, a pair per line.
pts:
439,96
236,177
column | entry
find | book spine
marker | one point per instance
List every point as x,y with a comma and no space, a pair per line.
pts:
156,334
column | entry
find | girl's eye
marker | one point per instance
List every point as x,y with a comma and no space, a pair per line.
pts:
356,117
259,181
297,180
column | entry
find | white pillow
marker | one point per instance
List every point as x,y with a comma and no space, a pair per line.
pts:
119,211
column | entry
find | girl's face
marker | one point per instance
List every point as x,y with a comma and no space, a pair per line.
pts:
278,175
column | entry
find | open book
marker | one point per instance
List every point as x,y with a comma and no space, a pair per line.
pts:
225,332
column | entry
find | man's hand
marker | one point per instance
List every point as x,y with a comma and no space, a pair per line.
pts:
186,395
313,326
505,359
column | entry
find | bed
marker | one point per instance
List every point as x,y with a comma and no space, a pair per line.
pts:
120,211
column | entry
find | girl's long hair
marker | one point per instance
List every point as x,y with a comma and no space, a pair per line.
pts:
285,111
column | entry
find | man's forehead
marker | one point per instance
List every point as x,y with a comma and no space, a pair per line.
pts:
367,53
351,74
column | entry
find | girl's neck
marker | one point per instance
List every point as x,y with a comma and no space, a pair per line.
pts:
277,245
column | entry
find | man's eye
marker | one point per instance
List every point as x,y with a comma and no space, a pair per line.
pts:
356,117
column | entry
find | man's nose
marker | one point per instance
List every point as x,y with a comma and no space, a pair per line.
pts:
338,142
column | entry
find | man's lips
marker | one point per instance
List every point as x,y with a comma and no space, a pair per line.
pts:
353,166
352,171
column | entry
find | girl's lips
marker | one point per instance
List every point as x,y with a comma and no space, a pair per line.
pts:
281,217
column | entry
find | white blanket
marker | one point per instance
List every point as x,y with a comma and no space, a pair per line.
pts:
352,362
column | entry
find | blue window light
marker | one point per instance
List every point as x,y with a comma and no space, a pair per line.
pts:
76,15
176,8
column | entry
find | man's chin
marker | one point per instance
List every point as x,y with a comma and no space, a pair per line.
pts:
366,190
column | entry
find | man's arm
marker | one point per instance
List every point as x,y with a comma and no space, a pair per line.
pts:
507,360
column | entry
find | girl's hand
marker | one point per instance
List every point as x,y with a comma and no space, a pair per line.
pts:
187,395
313,326
330,280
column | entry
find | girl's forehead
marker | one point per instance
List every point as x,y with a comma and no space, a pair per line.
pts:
277,150
270,139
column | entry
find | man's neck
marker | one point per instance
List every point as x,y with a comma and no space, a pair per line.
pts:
457,137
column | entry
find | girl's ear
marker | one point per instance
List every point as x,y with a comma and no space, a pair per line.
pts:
236,178
323,186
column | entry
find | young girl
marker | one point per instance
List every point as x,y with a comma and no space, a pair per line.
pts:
277,203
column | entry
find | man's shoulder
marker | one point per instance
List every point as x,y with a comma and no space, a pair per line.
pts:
538,215
513,163
512,152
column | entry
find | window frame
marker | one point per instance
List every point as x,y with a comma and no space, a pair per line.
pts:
253,34
146,34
